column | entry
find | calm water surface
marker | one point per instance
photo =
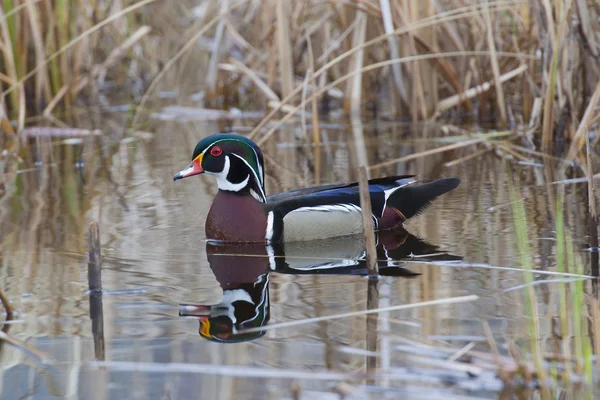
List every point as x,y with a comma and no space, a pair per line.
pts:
175,305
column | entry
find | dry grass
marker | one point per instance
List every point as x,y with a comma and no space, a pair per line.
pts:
54,52
417,60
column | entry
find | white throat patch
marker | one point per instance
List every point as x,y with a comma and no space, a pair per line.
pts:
222,181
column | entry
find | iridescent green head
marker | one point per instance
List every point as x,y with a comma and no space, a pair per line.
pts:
234,160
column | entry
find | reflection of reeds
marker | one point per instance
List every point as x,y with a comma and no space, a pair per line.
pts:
531,304
574,363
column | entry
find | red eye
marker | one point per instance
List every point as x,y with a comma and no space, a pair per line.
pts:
216,151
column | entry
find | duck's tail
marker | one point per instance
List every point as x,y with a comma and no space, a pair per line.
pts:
413,199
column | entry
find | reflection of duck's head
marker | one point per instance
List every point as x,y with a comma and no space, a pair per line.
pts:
242,272
243,308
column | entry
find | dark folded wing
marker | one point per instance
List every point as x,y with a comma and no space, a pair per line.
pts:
382,184
331,200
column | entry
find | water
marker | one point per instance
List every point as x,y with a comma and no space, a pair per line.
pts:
171,297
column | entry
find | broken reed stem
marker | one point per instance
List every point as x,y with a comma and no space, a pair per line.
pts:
590,174
24,346
578,141
97,317
595,305
315,114
494,347
6,303
367,218
288,324
592,208
283,46
428,152
495,66
372,331
95,285
95,259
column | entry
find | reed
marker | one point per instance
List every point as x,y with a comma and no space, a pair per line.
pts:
400,59
50,53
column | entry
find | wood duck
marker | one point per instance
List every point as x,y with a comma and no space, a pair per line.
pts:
242,212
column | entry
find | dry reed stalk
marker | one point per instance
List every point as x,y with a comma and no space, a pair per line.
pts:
595,305
8,57
463,12
316,134
22,108
333,45
304,91
367,219
95,259
552,82
493,346
118,52
456,99
211,75
99,71
580,136
286,107
433,87
42,84
55,100
593,215
590,174
5,125
44,131
467,158
97,317
446,70
284,45
450,300
506,149
388,25
260,84
419,111
587,27
237,37
348,76
25,347
355,84
461,352
428,153
6,303
191,42
112,18
494,60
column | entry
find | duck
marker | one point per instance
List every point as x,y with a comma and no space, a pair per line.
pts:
242,212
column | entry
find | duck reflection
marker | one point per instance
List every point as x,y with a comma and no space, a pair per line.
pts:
243,270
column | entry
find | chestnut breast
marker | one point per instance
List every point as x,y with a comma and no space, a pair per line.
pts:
236,218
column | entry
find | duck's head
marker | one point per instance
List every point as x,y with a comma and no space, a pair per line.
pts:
234,160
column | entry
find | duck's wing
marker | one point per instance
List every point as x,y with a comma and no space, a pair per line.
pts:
383,183
337,200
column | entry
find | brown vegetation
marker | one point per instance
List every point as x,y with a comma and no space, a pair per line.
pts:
524,64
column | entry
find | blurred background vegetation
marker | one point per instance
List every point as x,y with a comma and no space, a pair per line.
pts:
531,66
